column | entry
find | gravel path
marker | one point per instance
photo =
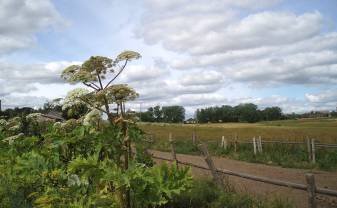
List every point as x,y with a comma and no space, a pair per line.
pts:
259,189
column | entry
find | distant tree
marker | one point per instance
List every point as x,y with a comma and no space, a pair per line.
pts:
157,113
147,116
272,113
173,114
16,112
247,112
228,114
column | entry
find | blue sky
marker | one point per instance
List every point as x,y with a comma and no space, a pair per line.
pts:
194,53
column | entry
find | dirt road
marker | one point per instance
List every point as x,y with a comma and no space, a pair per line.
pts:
259,189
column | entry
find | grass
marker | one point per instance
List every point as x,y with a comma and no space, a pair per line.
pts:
285,155
204,194
324,130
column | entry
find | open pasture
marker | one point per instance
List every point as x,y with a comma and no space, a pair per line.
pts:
323,130
286,155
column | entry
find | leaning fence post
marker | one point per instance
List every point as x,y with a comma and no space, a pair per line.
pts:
309,149
313,151
216,177
311,188
254,145
173,151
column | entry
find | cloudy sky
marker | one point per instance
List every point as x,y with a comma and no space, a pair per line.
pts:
194,53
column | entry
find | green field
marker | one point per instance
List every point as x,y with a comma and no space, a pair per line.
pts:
323,130
286,155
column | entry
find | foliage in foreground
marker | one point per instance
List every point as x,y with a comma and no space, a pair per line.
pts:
204,194
68,170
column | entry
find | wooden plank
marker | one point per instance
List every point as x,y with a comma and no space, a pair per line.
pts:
311,188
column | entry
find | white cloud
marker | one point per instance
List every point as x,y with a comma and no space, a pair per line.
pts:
268,48
136,73
218,29
329,96
202,78
201,5
21,78
21,19
22,101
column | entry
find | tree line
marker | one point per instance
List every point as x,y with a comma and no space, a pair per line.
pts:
247,112
176,114
166,114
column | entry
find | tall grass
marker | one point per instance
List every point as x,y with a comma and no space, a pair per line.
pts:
204,194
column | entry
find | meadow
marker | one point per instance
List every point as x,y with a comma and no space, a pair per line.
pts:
285,155
323,130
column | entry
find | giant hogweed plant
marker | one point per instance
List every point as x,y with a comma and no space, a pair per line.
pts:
86,162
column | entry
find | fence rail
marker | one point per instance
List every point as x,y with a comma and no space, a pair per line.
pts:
310,187
257,144
298,186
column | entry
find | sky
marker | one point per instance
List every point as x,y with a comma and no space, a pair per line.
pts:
194,53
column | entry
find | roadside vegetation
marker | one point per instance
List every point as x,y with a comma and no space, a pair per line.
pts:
205,194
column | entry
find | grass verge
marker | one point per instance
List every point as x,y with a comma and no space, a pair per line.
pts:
204,194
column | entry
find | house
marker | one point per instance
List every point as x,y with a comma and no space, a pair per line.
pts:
190,121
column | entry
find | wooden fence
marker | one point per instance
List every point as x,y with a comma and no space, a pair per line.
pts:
257,145
311,188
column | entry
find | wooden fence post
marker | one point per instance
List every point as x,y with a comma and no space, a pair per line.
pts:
173,150
208,159
194,137
224,143
235,142
311,188
254,145
260,144
309,149
313,151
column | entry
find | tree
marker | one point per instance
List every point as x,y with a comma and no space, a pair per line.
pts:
109,167
173,114
147,116
157,113
92,73
247,112
272,113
